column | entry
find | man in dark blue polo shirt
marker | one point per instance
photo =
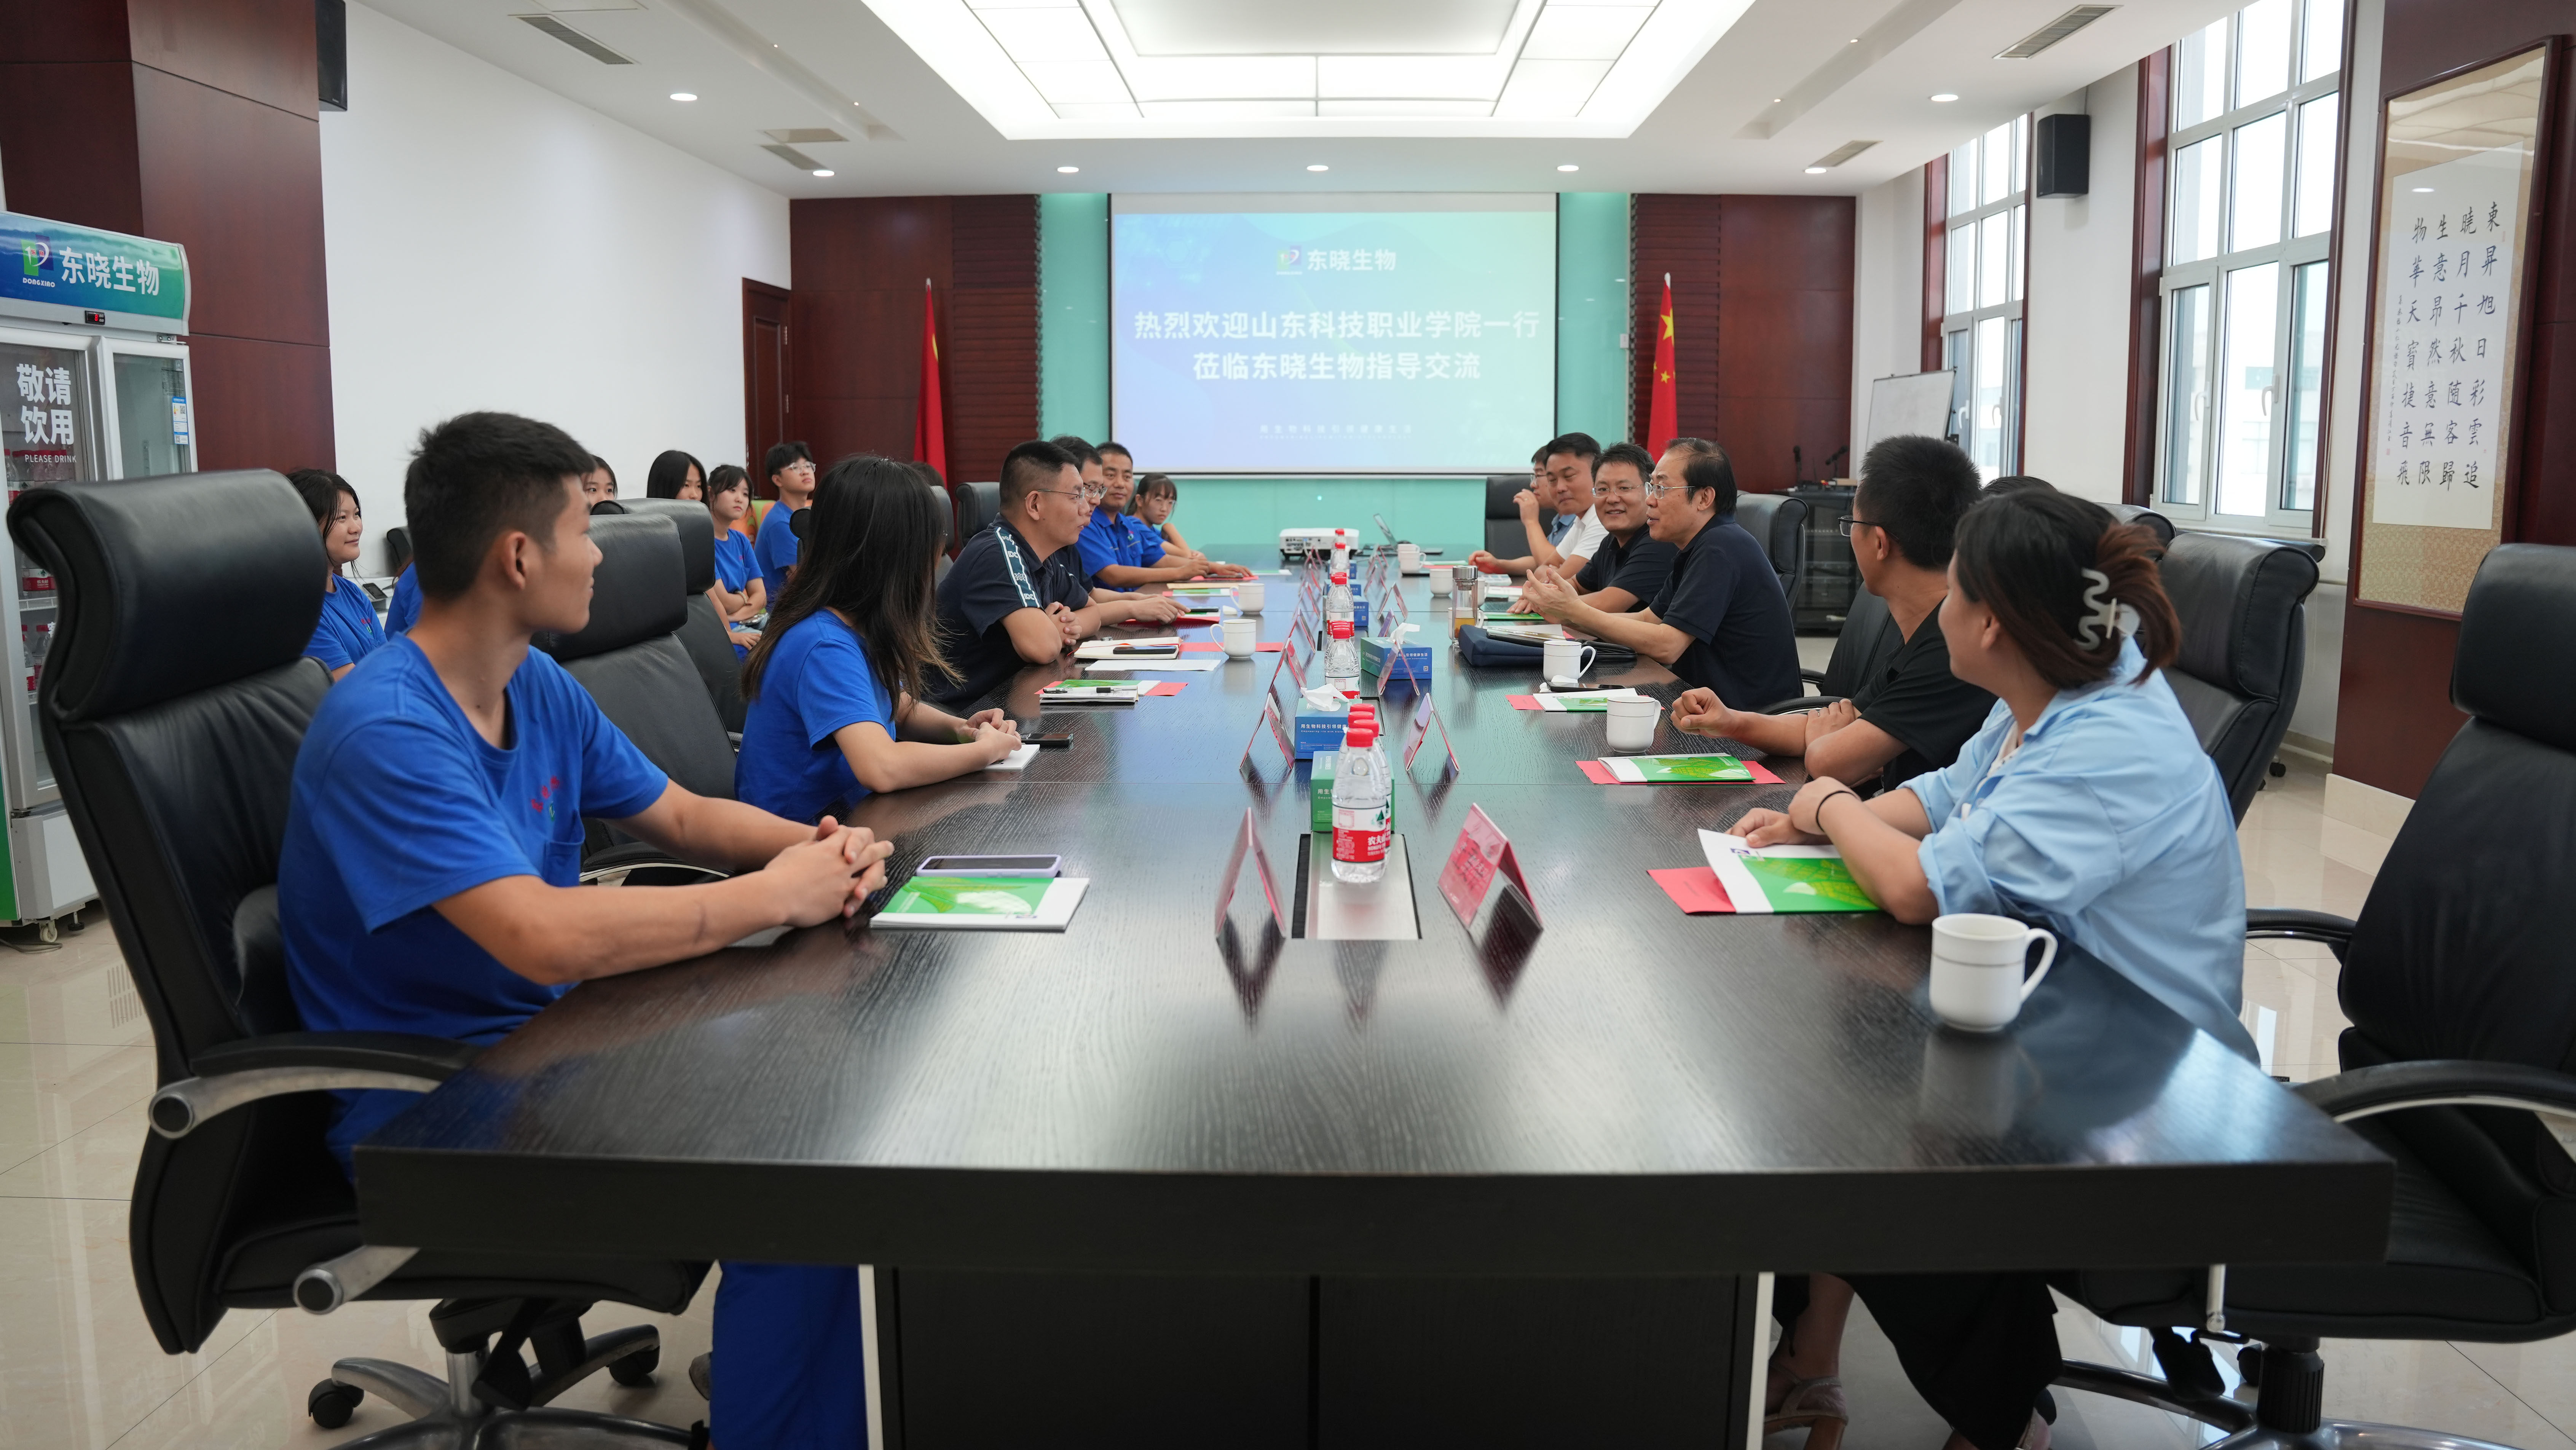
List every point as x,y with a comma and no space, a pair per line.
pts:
1016,596
1722,620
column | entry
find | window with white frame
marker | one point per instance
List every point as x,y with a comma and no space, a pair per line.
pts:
2250,187
1981,318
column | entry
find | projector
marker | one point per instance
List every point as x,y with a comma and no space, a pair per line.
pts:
1297,543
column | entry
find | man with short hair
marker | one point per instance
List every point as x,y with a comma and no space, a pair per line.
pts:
1631,565
1116,556
790,467
1721,620
1144,549
1015,597
1910,714
1565,485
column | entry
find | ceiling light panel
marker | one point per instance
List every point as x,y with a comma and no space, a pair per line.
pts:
1585,32
1039,69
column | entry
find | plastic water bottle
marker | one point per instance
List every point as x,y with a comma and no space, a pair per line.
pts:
1360,804
1341,660
1341,553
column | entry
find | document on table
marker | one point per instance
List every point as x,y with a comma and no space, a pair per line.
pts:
1017,760
1178,664
1103,649
983,903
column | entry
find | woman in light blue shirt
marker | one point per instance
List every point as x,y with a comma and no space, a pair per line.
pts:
2084,805
348,631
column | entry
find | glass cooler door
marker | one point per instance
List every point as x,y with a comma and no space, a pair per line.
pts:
151,414
48,434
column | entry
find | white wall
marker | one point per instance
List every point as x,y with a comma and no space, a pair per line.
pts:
1887,294
2076,334
493,245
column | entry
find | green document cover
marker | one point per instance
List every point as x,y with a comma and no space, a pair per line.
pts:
1679,769
1783,878
970,896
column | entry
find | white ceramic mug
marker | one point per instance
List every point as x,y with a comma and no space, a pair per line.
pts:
1440,581
1240,635
1632,723
1408,557
1566,659
1977,961
1247,596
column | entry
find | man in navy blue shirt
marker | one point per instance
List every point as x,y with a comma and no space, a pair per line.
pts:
791,471
1722,620
1016,596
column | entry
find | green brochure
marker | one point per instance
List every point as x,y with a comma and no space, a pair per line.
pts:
1783,878
1679,769
1003,903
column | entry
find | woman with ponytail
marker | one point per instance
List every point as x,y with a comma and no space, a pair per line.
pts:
2084,805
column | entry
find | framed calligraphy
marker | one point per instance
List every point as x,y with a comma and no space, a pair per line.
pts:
2460,195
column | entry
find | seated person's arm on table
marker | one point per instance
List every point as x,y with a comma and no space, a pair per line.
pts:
1131,577
1845,746
1881,840
1550,595
929,744
1035,634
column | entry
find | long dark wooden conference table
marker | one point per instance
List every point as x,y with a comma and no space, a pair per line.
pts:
1130,1186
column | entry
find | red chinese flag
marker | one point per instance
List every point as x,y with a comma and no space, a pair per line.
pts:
929,424
1662,423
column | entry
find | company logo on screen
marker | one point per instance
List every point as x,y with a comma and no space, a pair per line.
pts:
34,256
1289,258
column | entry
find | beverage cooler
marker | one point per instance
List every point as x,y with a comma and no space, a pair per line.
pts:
94,354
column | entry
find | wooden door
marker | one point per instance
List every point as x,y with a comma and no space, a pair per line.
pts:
765,381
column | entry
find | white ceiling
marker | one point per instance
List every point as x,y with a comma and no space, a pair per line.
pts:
1785,84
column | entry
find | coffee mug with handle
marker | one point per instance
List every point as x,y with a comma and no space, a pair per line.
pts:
1977,964
1566,659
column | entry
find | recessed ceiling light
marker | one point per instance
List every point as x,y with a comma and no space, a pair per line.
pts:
1319,166
684,95
1775,100
1815,171
822,171
2423,188
1569,166
1945,98
1855,40
1067,170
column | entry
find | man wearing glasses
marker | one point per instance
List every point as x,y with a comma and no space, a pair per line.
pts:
1721,621
1630,565
1909,714
1016,596
790,467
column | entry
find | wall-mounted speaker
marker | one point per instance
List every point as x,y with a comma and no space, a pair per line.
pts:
2062,162
331,45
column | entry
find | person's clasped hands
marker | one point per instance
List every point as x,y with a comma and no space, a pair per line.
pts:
830,875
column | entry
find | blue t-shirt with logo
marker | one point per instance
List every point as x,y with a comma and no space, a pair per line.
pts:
398,803
404,611
1106,540
817,680
1149,541
348,631
776,549
736,563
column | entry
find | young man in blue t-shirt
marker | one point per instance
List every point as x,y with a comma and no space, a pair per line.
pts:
791,471
430,877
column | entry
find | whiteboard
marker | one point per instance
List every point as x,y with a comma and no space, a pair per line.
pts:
1913,403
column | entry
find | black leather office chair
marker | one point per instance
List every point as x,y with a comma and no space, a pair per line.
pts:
397,549
703,634
1868,639
1504,536
2242,603
172,707
978,504
948,540
631,660
1779,522
2129,513
2455,980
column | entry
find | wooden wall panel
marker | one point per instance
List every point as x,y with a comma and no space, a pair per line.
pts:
2393,715
1681,236
1762,303
193,121
859,264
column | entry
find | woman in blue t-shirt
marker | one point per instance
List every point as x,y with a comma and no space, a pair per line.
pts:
740,595
835,688
348,632
836,684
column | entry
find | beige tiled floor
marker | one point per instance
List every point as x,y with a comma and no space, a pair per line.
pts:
78,1367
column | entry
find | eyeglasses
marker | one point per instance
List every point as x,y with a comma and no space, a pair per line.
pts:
1092,494
1847,523
1616,490
1658,490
